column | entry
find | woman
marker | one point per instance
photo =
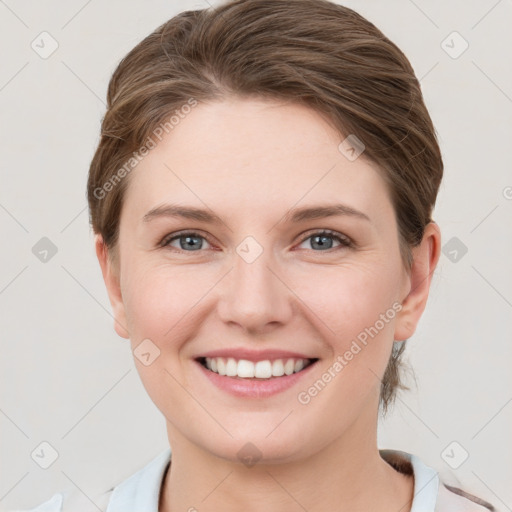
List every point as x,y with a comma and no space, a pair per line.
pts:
262,196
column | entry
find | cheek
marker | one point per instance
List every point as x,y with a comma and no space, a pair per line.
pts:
158,305
349,299
156,302
355,310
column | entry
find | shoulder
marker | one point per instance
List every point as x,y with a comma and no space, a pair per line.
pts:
452,498
140,489
432,492
73,501
54,504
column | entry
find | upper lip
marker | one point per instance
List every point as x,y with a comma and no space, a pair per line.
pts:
254,355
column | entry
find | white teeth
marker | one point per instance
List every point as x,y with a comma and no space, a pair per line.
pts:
245,369
278,368
289,366
265,369
231,367
221,366
299,364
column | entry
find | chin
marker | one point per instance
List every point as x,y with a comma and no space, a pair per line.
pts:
260,445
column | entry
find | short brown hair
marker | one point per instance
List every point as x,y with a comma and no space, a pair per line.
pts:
313,52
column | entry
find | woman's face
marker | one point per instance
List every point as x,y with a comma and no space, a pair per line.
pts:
252,277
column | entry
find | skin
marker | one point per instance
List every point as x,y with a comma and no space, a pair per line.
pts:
250,161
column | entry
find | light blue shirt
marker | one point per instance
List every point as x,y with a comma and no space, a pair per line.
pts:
140,492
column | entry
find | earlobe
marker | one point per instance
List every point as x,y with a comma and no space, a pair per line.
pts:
425,258
111,279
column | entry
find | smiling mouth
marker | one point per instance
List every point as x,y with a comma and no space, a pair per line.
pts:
259,370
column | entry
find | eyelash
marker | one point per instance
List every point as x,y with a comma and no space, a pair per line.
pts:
344,240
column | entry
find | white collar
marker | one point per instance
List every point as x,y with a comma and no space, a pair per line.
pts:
141,490
426,479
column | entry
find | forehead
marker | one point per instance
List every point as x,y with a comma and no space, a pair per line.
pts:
240,152
245,130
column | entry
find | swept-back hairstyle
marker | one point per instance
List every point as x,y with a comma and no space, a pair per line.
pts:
312,52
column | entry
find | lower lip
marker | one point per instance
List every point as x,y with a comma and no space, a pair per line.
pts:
254,388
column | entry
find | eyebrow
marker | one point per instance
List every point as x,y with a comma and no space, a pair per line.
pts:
293,216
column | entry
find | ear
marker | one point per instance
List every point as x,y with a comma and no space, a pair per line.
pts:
425,258
111,278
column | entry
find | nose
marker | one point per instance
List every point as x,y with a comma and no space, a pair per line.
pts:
254,295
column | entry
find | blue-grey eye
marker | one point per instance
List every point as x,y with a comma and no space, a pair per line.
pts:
323,240
189,242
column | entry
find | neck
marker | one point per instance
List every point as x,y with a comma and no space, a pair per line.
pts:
346,475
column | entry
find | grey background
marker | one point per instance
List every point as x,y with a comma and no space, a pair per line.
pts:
65,376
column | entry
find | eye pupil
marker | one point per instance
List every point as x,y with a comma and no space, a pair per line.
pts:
322,243
188,244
